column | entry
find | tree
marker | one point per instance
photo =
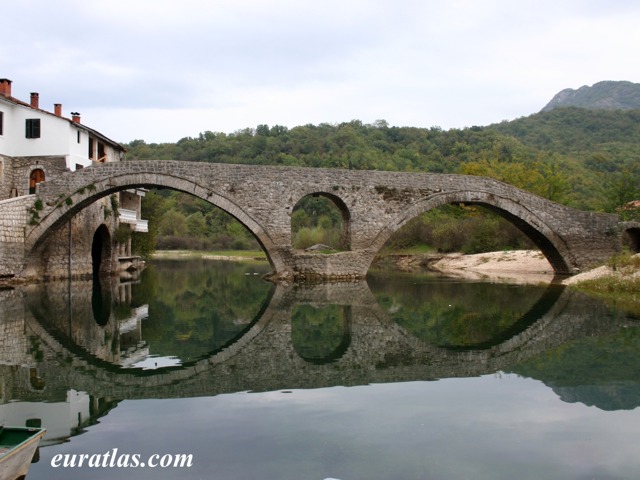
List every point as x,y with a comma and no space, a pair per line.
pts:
153,207
173,223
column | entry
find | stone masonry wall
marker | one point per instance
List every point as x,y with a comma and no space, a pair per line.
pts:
14,217
18,169
53,256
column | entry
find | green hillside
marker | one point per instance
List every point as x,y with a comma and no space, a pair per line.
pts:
588,159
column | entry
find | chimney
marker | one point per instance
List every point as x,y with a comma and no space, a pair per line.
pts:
5,87
57,109
75,116
35,99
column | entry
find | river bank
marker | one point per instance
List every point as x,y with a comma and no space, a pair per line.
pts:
529,266
522,266
231,255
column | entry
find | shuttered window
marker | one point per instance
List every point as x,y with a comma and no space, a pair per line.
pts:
32,128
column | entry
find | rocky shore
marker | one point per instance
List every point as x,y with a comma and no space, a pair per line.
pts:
523,266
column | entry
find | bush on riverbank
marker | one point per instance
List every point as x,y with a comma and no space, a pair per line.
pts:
220,242
466,229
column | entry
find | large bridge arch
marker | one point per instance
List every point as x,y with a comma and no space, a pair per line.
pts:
525,219
68,206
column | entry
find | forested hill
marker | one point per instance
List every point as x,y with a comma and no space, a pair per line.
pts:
611,136
606,95
584,158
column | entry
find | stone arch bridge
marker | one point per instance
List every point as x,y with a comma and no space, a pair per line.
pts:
374,205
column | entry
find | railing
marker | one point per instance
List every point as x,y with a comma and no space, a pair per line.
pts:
128,216
142,226
131,217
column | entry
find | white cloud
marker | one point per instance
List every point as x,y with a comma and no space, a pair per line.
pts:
160,67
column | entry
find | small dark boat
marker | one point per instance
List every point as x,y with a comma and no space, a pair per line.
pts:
17,448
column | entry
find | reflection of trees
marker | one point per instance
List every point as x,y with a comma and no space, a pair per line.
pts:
601,371
194,309
455,314
321,334
197,307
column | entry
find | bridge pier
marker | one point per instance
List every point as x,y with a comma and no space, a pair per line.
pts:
305,266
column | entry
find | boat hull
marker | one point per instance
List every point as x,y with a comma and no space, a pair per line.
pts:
17,447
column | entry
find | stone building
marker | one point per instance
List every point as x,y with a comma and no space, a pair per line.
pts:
38,145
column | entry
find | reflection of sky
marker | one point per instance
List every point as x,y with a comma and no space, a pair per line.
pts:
152,362
491,427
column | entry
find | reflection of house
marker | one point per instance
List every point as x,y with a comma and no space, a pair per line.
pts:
62,419
132,348
36,145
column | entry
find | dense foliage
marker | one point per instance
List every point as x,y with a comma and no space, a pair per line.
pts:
588,159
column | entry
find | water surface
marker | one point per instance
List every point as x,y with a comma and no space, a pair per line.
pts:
400,377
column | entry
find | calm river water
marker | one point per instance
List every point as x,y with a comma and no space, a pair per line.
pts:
405,376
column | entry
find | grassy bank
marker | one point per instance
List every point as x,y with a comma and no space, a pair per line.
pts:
617,283
239,255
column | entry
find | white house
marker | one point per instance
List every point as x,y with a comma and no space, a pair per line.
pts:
37,145
28,131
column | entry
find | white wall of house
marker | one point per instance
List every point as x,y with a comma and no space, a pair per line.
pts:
58,136
78,148
53,133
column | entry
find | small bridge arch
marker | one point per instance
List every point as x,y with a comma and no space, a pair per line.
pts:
337,202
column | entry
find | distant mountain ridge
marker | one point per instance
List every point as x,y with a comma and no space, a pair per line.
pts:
607,95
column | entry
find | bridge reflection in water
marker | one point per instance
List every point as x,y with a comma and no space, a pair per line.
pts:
302,337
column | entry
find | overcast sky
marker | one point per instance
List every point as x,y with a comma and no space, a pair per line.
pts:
161,70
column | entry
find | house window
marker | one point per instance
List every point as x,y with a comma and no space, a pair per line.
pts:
92,154
35,178
33,423
1,123
32,128
78,137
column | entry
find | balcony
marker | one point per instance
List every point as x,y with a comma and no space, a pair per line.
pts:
131,217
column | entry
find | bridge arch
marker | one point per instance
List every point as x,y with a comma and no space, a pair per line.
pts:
101,251
528,222
108,184
632,238
339,204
